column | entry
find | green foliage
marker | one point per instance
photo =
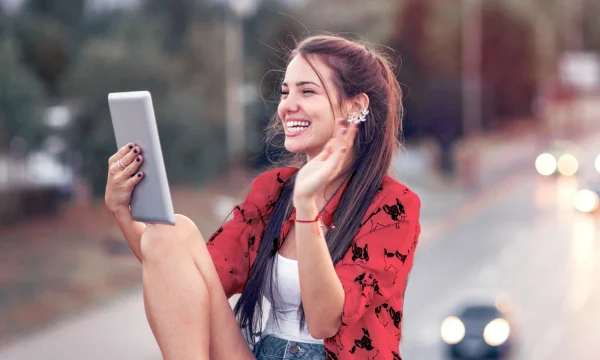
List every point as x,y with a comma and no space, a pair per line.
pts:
21,98
130,59
45,46
69,13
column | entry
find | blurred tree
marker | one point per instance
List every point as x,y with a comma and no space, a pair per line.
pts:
21,99
69,13
177,16
269,36
409,38
428,37
509,57
45,45
591,26
202,63
129,59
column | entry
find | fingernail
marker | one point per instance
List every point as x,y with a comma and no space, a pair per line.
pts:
138,159
344,150
135,151
130,146
139,175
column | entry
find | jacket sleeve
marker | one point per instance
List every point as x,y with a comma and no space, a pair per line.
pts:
234,245
377,265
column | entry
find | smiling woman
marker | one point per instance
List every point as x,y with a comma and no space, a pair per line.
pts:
328,237
305,108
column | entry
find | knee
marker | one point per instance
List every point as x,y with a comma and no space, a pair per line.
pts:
161,242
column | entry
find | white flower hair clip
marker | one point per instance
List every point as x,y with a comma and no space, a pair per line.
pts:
357,119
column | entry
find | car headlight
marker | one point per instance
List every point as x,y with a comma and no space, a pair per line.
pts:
545,164
598,163
567,165
586,201
496,332
453,330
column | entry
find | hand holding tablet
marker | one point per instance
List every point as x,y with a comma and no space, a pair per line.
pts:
137,169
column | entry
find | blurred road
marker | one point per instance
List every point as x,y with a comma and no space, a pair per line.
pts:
521,237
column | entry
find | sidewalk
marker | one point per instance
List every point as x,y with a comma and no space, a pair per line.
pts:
117,330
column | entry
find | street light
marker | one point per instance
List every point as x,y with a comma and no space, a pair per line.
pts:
238,10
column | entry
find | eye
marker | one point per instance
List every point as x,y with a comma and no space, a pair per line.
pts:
283,92
308,91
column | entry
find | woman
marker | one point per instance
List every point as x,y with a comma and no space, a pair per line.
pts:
329,240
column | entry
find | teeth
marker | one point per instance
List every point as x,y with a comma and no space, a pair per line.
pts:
291,124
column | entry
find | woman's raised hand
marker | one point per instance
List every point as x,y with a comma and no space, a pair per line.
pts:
322,169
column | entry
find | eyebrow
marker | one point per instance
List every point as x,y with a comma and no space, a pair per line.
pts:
300,83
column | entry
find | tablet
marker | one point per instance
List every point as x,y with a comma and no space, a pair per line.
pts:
133,121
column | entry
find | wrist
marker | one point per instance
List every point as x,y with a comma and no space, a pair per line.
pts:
306,210
304,202
121,213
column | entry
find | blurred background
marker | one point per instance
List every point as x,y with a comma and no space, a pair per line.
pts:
501,133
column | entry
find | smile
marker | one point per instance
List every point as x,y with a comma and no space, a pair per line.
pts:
295,128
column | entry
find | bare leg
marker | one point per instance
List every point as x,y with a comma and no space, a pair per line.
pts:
175,295
185,303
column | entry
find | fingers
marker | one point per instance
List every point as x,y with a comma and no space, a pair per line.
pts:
345,137
134,180
119,154
130,157
342,141
133,167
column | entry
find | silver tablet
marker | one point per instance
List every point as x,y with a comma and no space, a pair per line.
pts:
133,121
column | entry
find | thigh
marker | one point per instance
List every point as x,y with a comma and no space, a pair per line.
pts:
226,339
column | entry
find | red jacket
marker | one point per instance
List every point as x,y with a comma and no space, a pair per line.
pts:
373,272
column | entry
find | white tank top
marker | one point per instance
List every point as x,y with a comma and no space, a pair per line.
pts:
287,297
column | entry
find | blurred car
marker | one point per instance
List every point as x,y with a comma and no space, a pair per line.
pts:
482,329
562,158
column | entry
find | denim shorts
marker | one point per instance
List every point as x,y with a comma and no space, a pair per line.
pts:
273,348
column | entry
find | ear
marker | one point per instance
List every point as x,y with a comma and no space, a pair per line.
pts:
356,104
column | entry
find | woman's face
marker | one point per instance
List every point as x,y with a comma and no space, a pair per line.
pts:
305,108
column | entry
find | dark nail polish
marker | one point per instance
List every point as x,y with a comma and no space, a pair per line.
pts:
135,151
130,146
139,174
138,159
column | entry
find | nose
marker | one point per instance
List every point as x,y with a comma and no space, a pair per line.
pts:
289,104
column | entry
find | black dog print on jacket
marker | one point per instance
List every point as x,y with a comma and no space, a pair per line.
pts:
396,212
368,281
359,253
389,318
392,260
363,343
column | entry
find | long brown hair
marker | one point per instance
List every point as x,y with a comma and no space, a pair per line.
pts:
357,68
